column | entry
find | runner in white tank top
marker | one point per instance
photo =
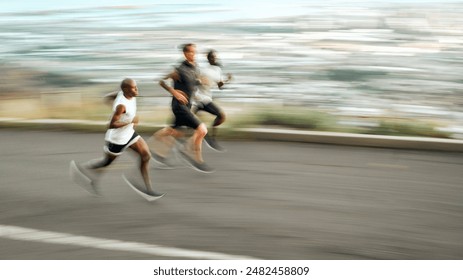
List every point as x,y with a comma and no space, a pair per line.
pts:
120,136
123,134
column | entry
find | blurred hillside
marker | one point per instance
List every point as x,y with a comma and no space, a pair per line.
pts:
361,62
21,82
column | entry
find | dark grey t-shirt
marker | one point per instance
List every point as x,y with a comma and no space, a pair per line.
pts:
188,82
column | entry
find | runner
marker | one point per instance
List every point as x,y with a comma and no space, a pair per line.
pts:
203,97
185,82
119,136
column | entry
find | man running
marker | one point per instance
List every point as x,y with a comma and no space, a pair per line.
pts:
120,136
185,82
203,97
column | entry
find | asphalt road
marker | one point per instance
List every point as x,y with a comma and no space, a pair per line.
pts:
267,200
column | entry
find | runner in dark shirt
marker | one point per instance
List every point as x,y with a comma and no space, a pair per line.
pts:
186,79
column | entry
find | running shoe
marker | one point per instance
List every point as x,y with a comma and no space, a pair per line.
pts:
161,161
150,196
213,144
81,177
198,166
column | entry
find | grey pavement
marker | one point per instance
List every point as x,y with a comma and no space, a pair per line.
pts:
267,200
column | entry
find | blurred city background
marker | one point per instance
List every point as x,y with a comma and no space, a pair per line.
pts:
358,64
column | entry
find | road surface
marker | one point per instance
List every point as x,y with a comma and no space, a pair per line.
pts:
267,200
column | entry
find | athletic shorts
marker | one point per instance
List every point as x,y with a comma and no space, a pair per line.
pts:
116,150
184,117
210,107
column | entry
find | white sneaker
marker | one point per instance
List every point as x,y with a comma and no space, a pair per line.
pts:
151,196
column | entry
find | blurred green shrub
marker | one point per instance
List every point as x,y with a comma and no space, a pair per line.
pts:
407,128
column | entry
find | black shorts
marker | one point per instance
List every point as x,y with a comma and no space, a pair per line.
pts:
210,107
116,150
184,117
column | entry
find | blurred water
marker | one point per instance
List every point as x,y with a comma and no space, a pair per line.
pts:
362,58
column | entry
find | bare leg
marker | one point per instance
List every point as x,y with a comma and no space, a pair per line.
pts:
220,119
99,163
166,138
197,140
142,149
92,171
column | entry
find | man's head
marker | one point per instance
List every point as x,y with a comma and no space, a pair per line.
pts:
212,57
189,51
129,87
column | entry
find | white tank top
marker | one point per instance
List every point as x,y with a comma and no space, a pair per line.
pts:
122,135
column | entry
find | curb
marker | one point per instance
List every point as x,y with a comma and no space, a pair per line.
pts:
352,139
289,135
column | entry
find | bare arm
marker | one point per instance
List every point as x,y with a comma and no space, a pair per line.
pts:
222,83
177,94
116,118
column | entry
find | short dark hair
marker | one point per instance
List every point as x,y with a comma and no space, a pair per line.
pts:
210,53
186,46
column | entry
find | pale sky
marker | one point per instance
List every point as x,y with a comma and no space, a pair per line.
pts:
34,5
